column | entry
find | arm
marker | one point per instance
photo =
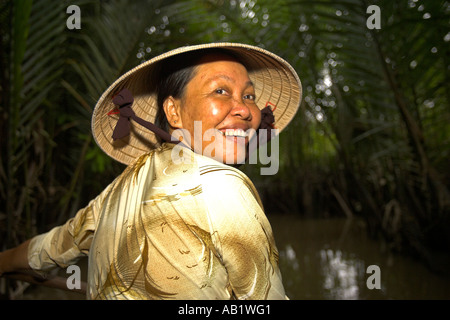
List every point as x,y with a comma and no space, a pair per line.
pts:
15,259
244,236
14,265
61,246
58,247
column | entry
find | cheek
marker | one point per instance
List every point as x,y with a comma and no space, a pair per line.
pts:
214,111
213,114
204,111
217,112
209,115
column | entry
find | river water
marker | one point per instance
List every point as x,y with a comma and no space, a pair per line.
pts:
327,259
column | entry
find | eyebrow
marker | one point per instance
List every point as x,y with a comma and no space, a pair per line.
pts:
227,78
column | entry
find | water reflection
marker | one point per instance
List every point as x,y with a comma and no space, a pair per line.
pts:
328,259
291,257
340,275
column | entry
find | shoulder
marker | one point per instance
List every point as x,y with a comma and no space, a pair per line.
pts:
231,198
172,160
225,179
170,165
157,166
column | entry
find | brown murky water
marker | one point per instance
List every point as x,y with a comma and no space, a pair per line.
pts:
328,259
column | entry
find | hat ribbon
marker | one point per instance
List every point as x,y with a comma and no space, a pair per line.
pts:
267,118
267,121
124,99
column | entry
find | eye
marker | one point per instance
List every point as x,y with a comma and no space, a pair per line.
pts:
220,91
249,97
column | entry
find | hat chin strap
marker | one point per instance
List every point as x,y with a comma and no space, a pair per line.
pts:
124,99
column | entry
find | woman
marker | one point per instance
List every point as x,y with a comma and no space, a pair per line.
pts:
179,222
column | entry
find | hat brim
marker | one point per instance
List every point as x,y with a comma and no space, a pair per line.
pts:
276,85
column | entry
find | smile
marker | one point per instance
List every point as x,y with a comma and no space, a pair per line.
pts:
235,133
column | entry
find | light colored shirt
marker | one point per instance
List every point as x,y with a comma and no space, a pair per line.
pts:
168,230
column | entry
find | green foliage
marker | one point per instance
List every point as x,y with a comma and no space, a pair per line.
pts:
371,137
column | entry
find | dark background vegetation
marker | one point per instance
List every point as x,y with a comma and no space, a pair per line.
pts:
371,139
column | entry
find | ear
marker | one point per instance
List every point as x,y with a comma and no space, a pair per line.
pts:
172,110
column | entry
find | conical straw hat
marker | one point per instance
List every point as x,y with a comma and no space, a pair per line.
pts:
276,85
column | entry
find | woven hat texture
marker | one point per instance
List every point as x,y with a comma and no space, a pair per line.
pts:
276,85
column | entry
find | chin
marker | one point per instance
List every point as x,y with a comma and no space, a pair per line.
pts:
234,157
228,150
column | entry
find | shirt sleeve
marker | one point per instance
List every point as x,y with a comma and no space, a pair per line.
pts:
65,244
244,236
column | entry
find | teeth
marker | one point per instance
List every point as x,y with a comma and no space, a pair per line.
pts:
235,132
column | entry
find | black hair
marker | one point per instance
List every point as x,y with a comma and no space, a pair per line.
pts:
175,74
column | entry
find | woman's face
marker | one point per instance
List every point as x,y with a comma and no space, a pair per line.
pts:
218,109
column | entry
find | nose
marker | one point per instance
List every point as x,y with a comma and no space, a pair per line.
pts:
240,109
